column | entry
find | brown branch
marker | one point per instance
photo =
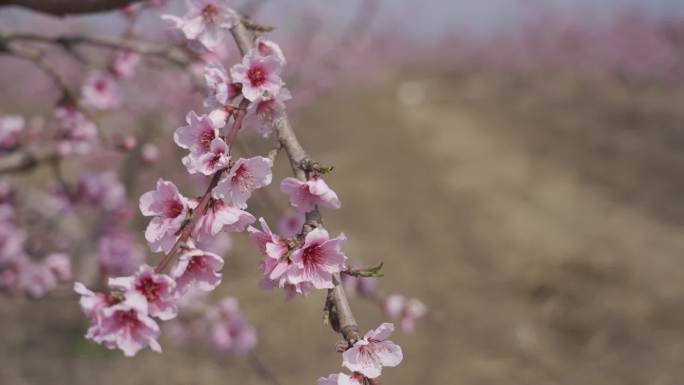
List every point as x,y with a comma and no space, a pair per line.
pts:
69,7
171,54
345,323
23,161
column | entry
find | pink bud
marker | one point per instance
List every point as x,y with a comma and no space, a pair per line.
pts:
149,153
127,143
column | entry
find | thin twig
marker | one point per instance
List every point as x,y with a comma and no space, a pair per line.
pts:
23,161
174,55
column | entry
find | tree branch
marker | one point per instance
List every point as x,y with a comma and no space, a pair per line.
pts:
171,54
22,161
299,160
69,7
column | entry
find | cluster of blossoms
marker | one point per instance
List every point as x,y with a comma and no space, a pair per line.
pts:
297,259
295,267
19,272
252,90
123,318
366,358
222,325
102,194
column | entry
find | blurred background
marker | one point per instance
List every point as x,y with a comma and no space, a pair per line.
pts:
517,166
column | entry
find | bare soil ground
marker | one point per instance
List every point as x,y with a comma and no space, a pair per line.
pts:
541,224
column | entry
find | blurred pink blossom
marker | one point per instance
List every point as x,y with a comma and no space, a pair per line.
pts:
229,332
290,224
305,195
101,91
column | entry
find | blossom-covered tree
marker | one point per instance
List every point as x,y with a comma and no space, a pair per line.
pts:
132,303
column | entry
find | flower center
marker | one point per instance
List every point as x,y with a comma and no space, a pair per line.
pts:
100,85
243,178
210,13
256,76
205,139
173,209
312,255
197,263
213,160
150,289
110,300
128,317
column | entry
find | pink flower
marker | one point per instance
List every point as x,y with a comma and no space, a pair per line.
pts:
10,128
228,330
124,64
208,152
197,135
265,47
11,267
341,379
291,224
169,208
371,353
363,286
36,279
276,264
75,134
405,310
221,89
305,195
265,113
91,305
209,162
318,259
118,320
60,265
206,21
221,216
197,268
259,76
101,91
219,244
269,244
244,177
12,240
127,326
158,290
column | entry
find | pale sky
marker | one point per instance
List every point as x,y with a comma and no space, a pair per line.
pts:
422,17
